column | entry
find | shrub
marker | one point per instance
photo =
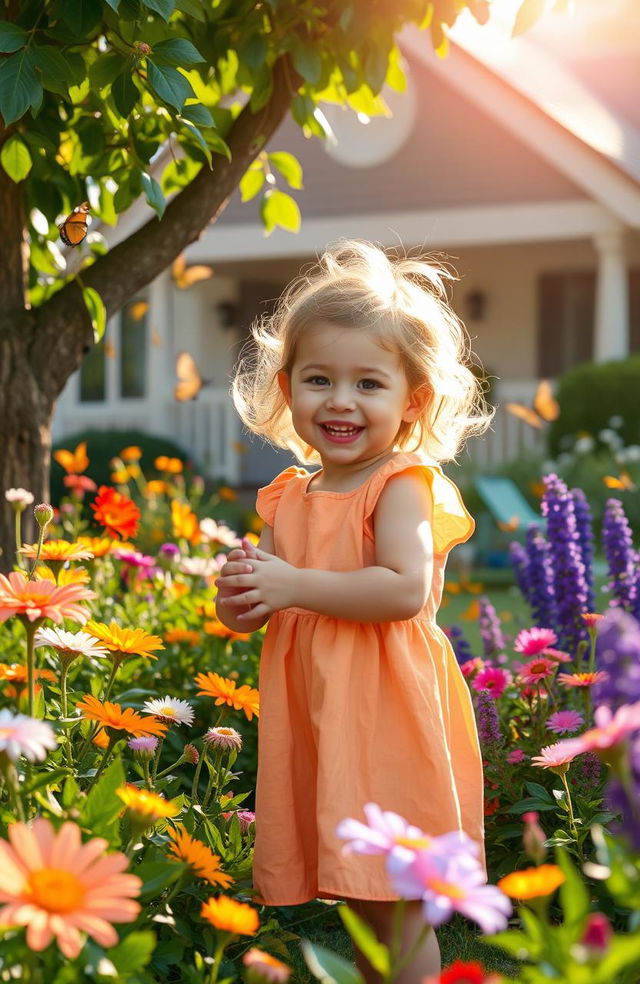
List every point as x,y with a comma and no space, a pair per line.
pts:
590,395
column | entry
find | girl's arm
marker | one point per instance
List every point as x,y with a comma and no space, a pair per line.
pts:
237,564
396,588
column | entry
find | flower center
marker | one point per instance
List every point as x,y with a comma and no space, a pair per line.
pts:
167,711
416,843
55,890
446,888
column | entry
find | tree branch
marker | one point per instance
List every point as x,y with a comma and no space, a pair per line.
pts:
137,260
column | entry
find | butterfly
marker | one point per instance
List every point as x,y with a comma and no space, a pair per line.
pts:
190,382
510,525
184,276
545,407
623,482
75,227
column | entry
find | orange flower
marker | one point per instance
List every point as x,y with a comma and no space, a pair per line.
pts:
215,627
173,636
591,619
227,494
125,642
224,691
185,522
73,462
35,600
120,476
57,550
133,471
55,885
532,883
113,716
198,856
101,738
172,465
131,453
155,487
98,545
230,916
146,805
117,513
179,589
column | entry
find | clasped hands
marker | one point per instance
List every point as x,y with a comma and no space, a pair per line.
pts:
259,582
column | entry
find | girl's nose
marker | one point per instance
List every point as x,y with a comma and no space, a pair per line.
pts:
340,398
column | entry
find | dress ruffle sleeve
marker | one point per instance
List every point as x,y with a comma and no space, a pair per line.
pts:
451,522
268,497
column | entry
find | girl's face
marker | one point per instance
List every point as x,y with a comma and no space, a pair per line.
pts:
348,395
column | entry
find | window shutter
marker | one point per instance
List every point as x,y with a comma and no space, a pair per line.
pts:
566,313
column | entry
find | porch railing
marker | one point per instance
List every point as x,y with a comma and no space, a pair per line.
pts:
508,436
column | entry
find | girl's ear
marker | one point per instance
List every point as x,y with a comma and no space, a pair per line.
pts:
416,403
284,383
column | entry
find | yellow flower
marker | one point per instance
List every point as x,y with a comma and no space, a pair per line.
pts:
231,916
98,545
199,857
120,476
155,487
131,453
57,550
70,575
171,465
133,471
185,522
532,883
125,642
146,805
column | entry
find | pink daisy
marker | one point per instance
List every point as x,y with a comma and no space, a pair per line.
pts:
537,669
554,756
493,680
516,756
582,679
610,730
472,666
534,641
565,722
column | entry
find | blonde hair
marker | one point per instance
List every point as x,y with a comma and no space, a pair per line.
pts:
403,301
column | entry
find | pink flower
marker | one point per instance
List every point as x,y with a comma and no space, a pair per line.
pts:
22,735
471,666
516,756
597,933
534,641
582,679
565,722
555,756
537,669
493,680
557,655
450,884
35,600
611,730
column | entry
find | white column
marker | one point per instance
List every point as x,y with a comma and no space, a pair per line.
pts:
160,374
611,339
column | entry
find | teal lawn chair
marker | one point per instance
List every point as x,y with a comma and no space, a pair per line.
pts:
509,508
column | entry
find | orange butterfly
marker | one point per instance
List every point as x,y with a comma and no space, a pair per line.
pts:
545,407
138,310
184,276
73,462
75,227
190,382
510,526
623,482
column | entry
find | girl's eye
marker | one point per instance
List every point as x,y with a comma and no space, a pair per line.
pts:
370,384
317,380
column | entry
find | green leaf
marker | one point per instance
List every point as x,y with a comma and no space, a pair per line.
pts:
528,14
19,86
163,7
124,93
12,37
106,68
98,314
623,954
279,209
191,7
158,875
49,778
308,62
15,158
573,893
251,183
328,967
51,62
198,115
177,51
114,4
169,84
253,52
81,16
366,940
133,953
153,194
289,167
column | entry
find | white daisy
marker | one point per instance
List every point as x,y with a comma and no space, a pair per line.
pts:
19,498
71,644
170,709
219,533
224,738
198,566
22,735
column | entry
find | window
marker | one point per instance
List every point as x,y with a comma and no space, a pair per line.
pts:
125,345
92,374
566,310
133,349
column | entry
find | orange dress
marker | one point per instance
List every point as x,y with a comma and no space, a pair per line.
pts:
356,712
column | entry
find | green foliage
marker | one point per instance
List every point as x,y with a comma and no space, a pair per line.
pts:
590,395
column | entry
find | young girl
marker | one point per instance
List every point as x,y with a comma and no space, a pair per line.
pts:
361,368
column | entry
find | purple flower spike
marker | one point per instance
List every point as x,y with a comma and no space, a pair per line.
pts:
487,720
618,653
542,598
570,584
584,526
493,641
459,643
622,559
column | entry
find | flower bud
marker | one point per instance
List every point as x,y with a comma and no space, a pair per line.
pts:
19,499
533,838
597,934
44,514
143,748
191,754
262,968
141,48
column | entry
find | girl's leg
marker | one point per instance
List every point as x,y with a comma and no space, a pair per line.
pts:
379,915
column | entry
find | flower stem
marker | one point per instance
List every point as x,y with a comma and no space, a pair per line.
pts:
174,765
156,760
107,752
63,706
572,821
18,519
107,690
396,932
411,952
30,629
217,959
196,780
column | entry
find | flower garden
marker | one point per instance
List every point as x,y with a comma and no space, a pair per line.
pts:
128,740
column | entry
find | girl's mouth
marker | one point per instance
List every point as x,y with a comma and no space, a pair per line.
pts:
341,433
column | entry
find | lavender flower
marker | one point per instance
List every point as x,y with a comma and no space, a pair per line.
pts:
624,800
621,557
584,526
490,629
618,653
540,578
570,585
488,721
459,643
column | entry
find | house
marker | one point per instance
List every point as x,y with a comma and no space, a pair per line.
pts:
518,159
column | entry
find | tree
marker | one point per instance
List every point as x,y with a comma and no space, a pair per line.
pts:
92,92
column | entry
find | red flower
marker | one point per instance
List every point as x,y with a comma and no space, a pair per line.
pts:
463,972
117,513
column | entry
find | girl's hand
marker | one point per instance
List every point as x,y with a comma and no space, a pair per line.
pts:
268,588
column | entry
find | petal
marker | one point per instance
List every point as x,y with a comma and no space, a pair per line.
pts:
98,928
65,847
13,872
39,933
27,844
